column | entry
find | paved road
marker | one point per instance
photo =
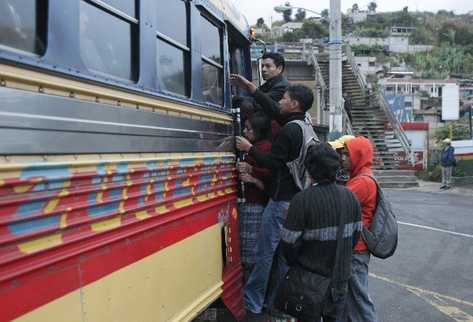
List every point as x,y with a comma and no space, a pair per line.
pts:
430,278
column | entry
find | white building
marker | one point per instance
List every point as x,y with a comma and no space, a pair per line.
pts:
287,27
367,65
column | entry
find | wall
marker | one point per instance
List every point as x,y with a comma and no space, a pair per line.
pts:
464,156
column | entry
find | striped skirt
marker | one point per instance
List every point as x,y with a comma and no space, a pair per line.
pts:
249,221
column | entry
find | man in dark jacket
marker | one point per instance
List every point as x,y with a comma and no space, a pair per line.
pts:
286,147
447,162
272,68
309,235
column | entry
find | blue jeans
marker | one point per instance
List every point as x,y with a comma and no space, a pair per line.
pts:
268,240
359,306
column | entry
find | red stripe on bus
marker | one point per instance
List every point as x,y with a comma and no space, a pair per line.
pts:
104,254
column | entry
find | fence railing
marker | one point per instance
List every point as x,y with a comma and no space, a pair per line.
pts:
319,81
396,126
356,71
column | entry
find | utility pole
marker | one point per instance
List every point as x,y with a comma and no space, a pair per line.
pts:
335,71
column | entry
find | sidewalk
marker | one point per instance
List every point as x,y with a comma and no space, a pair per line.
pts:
429,186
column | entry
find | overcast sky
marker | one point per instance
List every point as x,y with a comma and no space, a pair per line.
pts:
253,9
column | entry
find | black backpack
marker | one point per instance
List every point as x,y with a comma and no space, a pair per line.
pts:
381,238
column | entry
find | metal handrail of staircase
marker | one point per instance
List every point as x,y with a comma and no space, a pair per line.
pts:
356,71
319,78
397,128
347,127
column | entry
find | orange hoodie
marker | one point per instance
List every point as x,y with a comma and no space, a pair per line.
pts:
361,159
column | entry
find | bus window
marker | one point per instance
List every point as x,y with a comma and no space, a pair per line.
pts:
212,68
236,66
23,25
173,68
126,6
107,40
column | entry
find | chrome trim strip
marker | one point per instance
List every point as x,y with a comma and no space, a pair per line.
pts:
171,41
113,10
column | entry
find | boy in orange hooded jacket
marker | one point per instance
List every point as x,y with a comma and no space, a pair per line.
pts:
358,159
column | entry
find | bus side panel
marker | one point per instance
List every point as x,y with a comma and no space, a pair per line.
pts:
67,225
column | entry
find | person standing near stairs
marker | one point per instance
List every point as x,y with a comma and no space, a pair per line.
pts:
347,105
447,162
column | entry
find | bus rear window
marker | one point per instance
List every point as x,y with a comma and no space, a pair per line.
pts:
23,25
107,41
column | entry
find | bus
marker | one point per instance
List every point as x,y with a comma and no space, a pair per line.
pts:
118,200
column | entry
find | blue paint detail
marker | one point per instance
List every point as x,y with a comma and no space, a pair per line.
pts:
101,169
157,187
96,180
91,198
122,167
182,192
115,193
160,196
49,172
143,188
209,161
39,187
186,162
118,178
178,184
205,178
102,210
141,201
202,187
29,208
152,165
34,225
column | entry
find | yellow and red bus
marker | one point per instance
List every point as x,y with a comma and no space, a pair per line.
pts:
117,200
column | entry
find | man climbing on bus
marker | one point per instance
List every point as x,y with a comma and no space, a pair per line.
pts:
272,69
287,147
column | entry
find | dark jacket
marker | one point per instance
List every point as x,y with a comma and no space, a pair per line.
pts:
448,157
286,147
309,235
275,87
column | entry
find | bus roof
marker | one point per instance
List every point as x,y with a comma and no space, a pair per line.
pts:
231,14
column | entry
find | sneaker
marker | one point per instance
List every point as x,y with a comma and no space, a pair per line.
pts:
255,317
447,187
443,187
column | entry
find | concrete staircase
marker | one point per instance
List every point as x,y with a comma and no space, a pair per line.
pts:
370,120
396,178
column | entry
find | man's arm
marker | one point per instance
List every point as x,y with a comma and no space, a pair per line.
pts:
270,106
278,90
285,148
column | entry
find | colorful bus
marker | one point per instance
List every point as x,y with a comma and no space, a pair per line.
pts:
117,197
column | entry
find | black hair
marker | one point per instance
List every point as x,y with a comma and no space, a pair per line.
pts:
277,58
303,95
261,125
322,162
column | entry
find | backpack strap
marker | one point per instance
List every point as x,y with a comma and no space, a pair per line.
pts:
379,192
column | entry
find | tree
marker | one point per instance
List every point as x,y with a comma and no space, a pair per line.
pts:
314,30
325,13
300,15
372,6
355,7
260,23
286,14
